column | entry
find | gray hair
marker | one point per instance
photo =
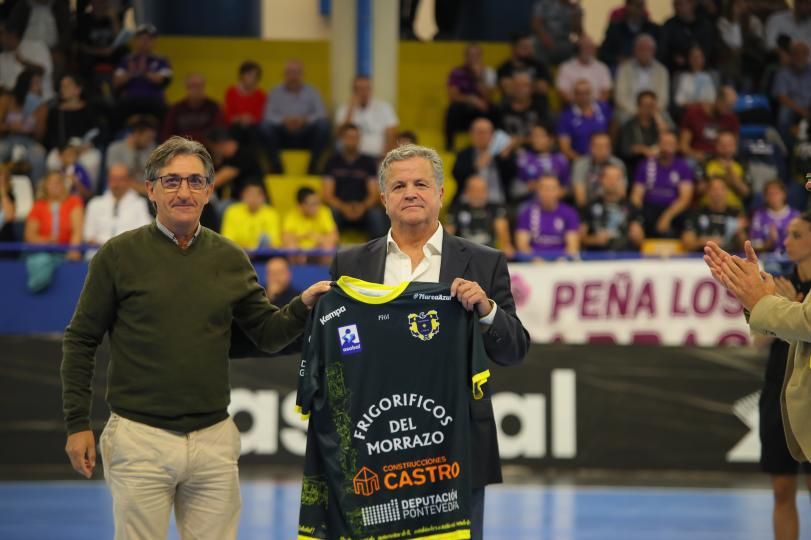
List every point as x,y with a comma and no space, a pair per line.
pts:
173,147
408,151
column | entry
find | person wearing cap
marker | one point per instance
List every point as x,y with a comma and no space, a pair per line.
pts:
141,77
167,294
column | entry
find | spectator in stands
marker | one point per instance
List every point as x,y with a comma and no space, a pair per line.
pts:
587,170
18,56
279,282
406,137
639,136
470,92
477,220
621,35
98,46
8,208
792,89
295,117
546,226
610,221
72,117
118,210
54,201
696,84
742,53
701,123
522,110
195,115
584,66
769,226
350,186
580,120
541,159
47,21
375,118
663,189
523,59
723,165
141,77
554,22
76,176
252,223
235,166
794,23
309,226
22,123
638,74
484,158
134,149
714,221
244,103
683,30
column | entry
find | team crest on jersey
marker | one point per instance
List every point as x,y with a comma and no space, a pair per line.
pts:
424,325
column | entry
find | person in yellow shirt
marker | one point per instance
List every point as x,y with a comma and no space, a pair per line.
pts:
252,223
725,166
309,226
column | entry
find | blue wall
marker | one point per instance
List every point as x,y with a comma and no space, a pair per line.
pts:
24,313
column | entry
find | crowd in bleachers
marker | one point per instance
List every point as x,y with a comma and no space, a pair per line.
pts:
691,130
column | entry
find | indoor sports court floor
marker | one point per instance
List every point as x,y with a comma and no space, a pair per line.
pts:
81,510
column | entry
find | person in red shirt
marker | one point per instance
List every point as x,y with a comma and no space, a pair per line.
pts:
56,217
703,122
245,102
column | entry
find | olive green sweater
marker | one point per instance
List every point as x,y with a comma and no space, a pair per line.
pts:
168,313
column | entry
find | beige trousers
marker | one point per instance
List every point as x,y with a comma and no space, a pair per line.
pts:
149,470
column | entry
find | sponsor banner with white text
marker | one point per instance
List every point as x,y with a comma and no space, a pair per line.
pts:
648,302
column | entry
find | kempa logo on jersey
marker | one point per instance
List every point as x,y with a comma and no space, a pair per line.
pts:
332,315
349,338
421,296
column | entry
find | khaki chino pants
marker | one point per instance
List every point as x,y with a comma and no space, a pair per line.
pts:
150,470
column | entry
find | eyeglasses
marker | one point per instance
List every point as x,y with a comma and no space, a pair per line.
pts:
172,182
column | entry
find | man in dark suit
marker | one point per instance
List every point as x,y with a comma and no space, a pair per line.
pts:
417,249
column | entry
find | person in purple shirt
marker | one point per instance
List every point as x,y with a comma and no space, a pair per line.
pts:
540,159
769,226
580,120
545,226
663,190
141,77
470,89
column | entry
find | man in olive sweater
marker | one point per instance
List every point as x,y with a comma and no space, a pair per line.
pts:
166,294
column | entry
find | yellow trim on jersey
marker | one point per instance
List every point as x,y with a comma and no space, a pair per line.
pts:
461,534
478,381
390,292
302,537
304,416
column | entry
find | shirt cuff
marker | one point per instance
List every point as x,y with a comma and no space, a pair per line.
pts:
490,317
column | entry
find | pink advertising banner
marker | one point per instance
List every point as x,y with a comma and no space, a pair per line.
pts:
644,302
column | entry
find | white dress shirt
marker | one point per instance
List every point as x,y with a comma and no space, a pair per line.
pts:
398,266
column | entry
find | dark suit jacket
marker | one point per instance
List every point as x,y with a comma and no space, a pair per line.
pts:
506,341
465,166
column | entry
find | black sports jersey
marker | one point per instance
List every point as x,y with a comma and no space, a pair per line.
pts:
386,379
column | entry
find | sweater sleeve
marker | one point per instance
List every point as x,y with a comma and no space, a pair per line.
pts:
270,328
94,315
